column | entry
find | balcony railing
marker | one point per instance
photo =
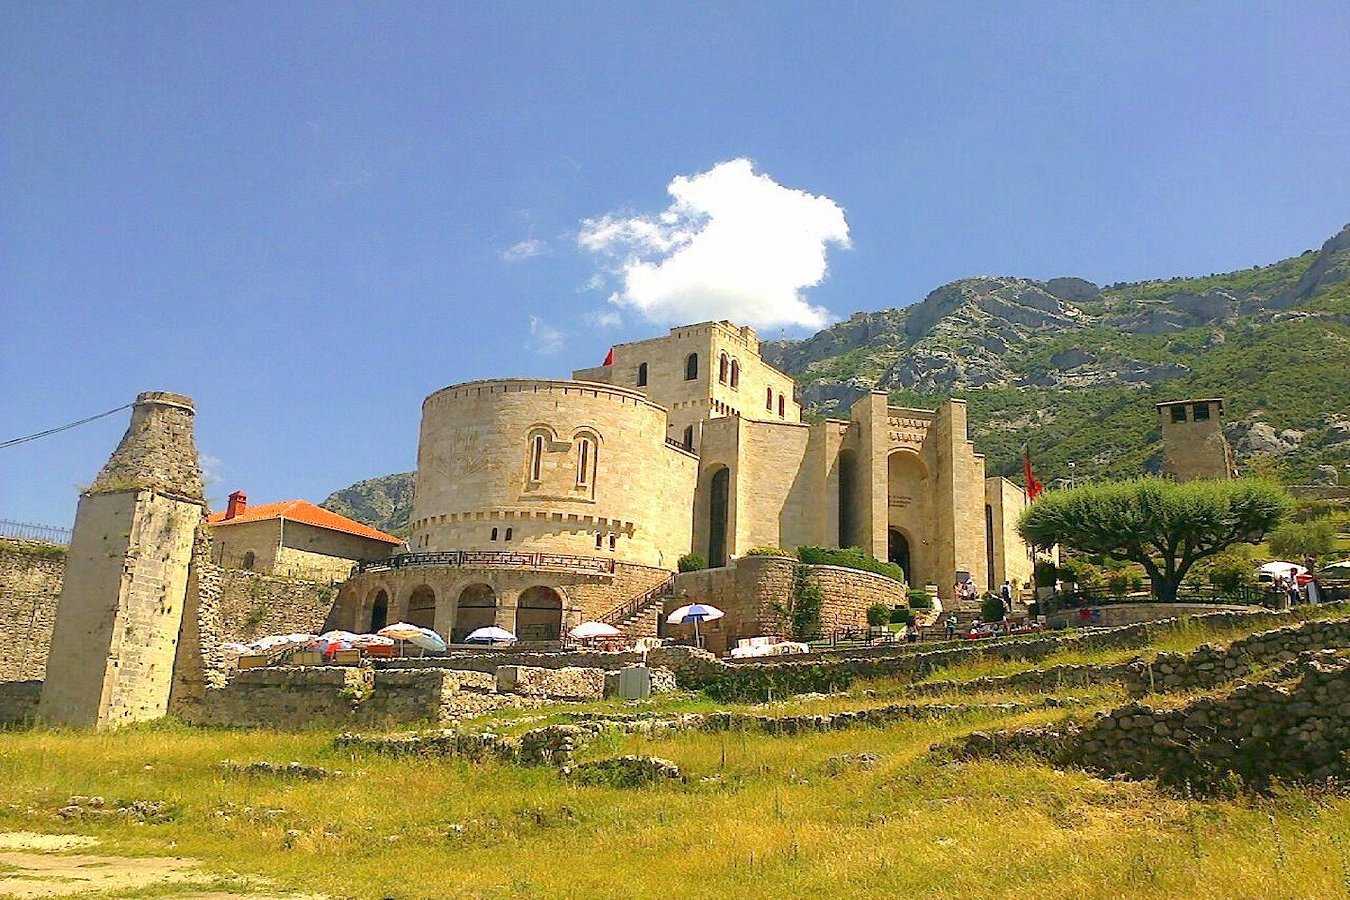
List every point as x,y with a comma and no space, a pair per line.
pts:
489,559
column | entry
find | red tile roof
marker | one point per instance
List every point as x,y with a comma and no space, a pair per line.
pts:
306,512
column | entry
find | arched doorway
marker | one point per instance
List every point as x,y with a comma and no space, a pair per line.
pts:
539,614
379,610
422,607
897,551
848,517
477,608
719,495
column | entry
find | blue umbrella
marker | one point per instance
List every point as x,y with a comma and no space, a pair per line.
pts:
694,613
427,639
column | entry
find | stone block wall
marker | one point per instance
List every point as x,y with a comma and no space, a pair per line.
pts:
749,589
565,683
253,605
30,584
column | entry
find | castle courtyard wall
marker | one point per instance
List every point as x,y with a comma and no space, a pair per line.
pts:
30,583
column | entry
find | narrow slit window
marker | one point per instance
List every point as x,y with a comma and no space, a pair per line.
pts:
536,457
642,375
508,534
613,540
768,399
599,540
691,367
585,458
782,406
723,368
689,437
735,375
494,535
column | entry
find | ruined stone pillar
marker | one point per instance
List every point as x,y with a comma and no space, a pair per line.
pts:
121,607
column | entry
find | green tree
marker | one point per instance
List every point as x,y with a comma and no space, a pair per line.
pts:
1296,540
1164,526
801,611
878,614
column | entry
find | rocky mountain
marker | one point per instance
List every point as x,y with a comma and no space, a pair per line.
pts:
384,503
1073,369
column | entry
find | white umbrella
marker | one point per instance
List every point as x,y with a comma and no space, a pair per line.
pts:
489,634
587,630
400,631
1343,564
695,613
428,639
373,640
1282,568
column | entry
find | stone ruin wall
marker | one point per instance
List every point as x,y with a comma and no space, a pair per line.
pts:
30,581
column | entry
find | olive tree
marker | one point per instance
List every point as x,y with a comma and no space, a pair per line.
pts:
1164,526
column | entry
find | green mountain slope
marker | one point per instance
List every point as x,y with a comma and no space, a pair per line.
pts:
384,503
1073,370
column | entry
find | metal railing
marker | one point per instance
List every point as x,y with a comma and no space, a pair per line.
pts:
489,559
1242,596
633,606
27,531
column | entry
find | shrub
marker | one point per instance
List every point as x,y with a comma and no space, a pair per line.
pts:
991,608
878,614
1118,582
901,615
692,562
849,558
919,599
1046,573
801,611
767,551
1297,540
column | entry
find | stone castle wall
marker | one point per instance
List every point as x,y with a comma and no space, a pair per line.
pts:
30,583
475,475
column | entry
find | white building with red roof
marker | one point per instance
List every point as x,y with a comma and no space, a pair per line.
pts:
294,538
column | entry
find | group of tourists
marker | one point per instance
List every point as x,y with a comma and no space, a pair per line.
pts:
1296,589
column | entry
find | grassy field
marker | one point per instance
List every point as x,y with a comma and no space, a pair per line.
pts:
759,816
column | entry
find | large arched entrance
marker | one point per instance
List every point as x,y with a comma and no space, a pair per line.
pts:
539,614
848,516
422,607
477,608
719,495
379,610
897,551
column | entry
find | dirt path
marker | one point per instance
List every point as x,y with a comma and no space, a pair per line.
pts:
44,865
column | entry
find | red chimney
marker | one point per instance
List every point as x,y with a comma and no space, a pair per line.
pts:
236,504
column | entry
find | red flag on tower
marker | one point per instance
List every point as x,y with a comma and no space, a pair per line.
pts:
1034,487
609,358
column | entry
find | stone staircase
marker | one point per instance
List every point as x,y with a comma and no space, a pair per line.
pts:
641,616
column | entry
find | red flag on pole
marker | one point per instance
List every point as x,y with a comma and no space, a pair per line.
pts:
1034,487
609,358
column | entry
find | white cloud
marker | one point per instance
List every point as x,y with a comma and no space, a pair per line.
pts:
733,244
604,318
526,249
595,283
544,338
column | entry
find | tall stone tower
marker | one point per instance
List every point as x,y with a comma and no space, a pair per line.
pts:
1193,442
121,608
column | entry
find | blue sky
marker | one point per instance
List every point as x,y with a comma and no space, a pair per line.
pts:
309,216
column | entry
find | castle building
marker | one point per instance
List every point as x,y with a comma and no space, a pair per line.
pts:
542,503
1193,442
294,538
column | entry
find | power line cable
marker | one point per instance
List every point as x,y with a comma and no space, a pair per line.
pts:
12,442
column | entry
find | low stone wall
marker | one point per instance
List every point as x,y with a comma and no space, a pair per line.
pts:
19,702
567,683
1256,734
491,661
783,677
749,589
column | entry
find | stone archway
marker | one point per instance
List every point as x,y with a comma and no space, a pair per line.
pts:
477,608
897,551
422,607
379,610
539,614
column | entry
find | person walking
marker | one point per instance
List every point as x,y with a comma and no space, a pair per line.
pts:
951,626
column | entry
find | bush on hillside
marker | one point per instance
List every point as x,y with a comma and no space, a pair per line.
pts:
901,615
767,551
920,599
849,558
1295,541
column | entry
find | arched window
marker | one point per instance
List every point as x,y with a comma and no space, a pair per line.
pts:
691,367
613,540
536,457
250,558
689,437
508,534
494,535
768,399
642,375
585,461
735,375
599,540
723,368
782,406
